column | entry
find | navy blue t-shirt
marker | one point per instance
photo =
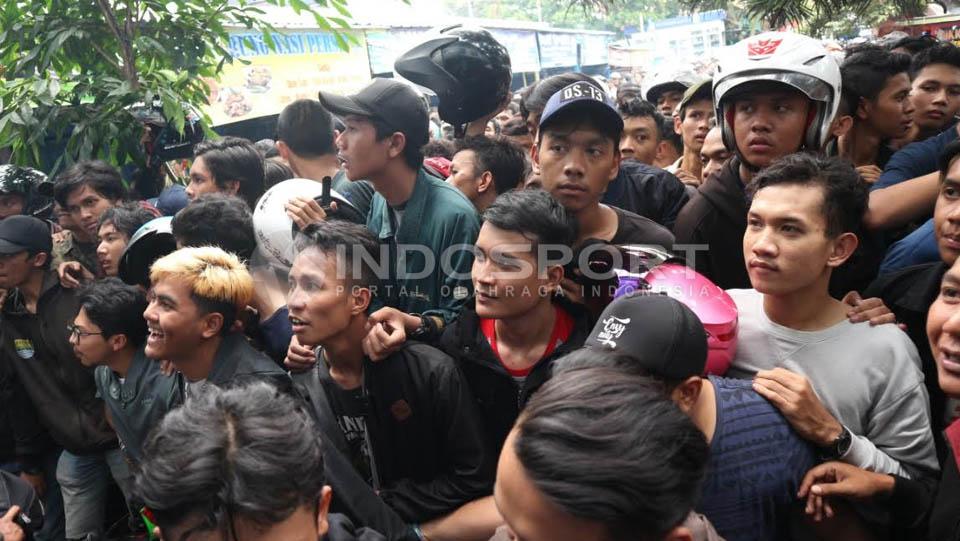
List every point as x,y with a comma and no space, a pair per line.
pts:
756,465
915,160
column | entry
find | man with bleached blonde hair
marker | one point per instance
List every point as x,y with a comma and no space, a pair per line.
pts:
195,296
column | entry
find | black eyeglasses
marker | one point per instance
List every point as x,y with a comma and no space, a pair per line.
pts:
76,333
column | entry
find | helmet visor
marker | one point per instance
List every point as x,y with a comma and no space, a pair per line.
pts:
813,88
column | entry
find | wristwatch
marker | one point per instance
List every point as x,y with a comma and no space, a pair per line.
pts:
425,330
839,446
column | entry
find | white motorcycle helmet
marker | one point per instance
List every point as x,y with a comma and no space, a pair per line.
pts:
792,59
274,230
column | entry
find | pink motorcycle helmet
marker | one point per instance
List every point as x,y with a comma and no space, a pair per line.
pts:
712,305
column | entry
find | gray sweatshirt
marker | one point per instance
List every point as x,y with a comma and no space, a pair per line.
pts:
867,377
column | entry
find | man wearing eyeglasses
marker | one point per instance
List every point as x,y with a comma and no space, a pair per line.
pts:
109,334
35,348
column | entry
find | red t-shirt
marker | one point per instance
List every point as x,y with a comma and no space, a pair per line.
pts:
562,328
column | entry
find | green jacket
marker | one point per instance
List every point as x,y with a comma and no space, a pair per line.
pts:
436,218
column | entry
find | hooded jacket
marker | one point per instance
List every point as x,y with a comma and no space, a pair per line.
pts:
717,217
499,398
61,389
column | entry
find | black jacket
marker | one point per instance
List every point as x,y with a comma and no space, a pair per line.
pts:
342,529
909,294
647,191
426,437
237,363
61,389
717,217
498,396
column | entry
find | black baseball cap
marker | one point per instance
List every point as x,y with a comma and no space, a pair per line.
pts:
659,333
581,95
391,101
24,234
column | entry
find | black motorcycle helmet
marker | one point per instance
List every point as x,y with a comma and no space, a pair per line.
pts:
466,68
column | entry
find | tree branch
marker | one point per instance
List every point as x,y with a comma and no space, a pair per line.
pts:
103,53
126,49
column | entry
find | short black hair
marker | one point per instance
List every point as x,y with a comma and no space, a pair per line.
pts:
412,150
276,171
307,128
267,148
669,134
217,219
915,44
505,160
234,158
117,308
867,69
126,217
249,451
606,447
514,127
439,148
844,192
99,175
533,213
641,108
941,53
535,98
947,157
356,247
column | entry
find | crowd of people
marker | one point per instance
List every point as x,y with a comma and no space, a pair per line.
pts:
429,335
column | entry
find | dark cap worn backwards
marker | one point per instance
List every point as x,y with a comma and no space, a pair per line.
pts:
391,101
581,95
661,334
24,234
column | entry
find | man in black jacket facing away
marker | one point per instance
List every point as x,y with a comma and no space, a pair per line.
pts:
37,351
407,423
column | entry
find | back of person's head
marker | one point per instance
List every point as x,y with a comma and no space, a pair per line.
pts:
914,44
126,217
535,214
941,53
506,161
275,171
438,148
356,248
218,281
216,219
234,159
867,68
640,108
306,128
116,308
246,455
267,148
607,447
844,193
534,102
514,127
98,175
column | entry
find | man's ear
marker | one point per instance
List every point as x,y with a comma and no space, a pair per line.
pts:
864,109
361,300
233,187
117,342
398,142
323,511
843,248
677,122
842,125
615,169
680,533
40,260
686,394
211,324
535,156
485,183
283,150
